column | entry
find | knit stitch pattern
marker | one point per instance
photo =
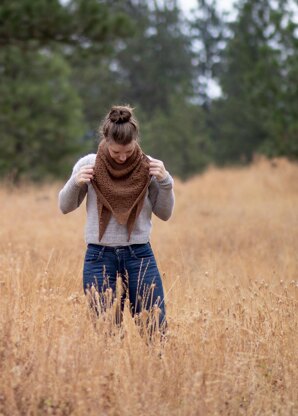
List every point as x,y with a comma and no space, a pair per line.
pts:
120,188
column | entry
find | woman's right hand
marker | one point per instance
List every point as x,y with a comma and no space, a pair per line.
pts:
84,175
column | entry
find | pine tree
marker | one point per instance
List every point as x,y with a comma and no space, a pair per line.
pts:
259,65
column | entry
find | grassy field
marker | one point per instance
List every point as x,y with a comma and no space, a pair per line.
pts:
229,259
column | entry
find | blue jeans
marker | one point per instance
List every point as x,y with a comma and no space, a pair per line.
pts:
136,265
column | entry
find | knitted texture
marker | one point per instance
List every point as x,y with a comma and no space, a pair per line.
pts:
120,188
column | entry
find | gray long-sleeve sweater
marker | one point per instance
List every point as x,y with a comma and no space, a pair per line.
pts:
159,199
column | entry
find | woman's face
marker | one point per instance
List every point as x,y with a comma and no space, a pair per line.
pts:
121,152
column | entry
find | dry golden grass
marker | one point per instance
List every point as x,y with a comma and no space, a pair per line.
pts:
230,267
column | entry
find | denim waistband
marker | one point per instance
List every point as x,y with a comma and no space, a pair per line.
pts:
113,248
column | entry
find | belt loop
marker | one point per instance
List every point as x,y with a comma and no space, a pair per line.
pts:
130,250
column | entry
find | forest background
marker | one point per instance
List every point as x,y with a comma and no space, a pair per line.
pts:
63,64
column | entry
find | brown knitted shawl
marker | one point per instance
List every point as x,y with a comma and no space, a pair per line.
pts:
120,188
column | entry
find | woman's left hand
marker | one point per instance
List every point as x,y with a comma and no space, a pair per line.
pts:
157,169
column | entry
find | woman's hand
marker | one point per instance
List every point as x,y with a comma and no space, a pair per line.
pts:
84,175
157,169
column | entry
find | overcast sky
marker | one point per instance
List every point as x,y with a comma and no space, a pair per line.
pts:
224,5
227,6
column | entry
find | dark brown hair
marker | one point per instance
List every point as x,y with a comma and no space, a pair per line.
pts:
120,125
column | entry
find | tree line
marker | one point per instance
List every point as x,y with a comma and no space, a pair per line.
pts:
63,64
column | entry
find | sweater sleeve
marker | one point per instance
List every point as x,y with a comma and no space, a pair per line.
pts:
72,195
162,197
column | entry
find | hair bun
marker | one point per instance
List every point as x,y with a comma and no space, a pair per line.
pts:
120,114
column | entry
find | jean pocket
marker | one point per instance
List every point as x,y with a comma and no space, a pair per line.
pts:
142,251
94,254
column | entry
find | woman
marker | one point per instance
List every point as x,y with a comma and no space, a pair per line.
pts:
123,187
